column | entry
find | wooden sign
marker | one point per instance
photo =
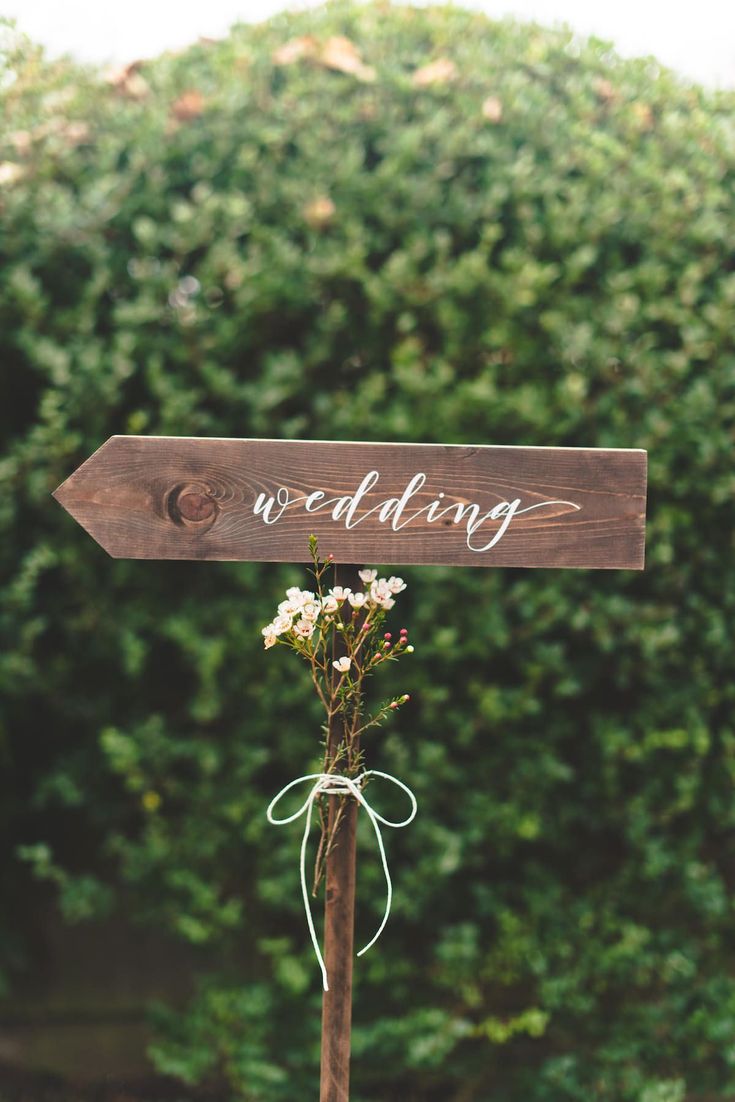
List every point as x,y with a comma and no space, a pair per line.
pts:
144,497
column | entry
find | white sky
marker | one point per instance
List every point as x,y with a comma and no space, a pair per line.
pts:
696,38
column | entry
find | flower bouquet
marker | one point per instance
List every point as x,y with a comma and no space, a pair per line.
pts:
340,634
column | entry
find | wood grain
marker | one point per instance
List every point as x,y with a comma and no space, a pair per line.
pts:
190,498
339,937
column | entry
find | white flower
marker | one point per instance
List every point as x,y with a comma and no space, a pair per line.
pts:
281,624
297,598
396,585
270,641
289,608
330,605
357,600
269,629
380,594
368,576
304,628
310,610
342,664
339,593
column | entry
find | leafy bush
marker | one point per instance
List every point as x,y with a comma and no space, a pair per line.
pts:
375,222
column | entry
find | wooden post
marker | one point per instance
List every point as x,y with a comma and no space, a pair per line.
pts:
339,924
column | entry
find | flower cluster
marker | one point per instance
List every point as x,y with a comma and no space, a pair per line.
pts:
304,612
340,632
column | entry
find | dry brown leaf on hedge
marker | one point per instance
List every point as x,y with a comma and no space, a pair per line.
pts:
189,105
441,71
294,50
136,86
341,54
604,89
643,115
22,140
319,212
492,109
128,80
75,132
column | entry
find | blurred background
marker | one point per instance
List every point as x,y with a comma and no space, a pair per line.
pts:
377,222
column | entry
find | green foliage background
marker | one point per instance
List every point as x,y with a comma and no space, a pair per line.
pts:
556,269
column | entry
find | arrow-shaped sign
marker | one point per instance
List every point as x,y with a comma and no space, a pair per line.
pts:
189,498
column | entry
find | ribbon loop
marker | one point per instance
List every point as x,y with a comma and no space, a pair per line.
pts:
336,784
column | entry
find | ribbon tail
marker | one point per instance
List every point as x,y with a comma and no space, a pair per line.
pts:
386,872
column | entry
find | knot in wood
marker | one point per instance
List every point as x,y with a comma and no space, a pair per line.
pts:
192,506
196,506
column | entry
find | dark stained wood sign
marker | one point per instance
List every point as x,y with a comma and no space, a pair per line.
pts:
147,497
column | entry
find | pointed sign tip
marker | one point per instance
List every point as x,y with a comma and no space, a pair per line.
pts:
60,494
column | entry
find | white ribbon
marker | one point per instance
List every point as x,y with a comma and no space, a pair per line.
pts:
334,784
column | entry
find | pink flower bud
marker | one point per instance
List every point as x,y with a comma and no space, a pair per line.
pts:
387,635
386,645
404,631
393,704
404,698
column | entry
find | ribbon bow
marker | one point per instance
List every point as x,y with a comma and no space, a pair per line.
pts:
334,784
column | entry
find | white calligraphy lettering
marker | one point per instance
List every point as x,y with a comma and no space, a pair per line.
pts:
391,510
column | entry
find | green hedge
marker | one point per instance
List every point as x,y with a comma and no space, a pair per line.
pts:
529,242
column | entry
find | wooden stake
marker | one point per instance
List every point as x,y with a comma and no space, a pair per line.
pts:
339,928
